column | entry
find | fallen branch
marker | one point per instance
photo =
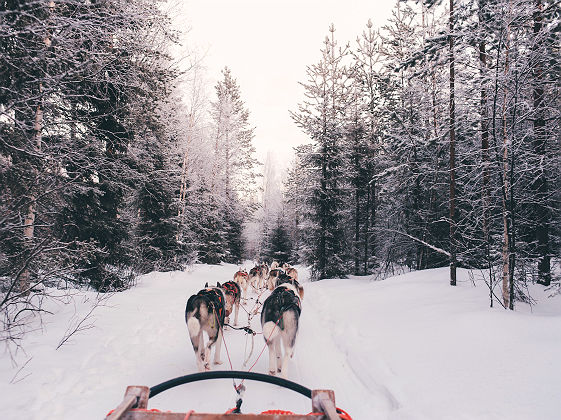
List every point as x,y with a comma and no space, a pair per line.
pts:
86,323
434,248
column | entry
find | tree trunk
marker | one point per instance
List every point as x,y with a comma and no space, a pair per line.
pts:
452,154
485,162
366,229
506,188
357,232
374,203
540,187
323,218
29,220
37,137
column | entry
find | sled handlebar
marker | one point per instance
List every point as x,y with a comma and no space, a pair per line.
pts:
230,374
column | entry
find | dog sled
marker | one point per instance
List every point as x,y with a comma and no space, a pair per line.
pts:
135,402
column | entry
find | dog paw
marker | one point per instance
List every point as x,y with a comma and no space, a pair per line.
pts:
272,373
218,362
207,367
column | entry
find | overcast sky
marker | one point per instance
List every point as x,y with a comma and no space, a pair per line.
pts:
267,44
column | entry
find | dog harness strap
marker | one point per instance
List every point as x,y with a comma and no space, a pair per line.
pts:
216,298
230,288
297,303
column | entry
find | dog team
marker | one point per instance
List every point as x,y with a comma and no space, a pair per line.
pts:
210,309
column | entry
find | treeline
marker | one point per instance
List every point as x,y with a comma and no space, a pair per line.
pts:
435,141
113,161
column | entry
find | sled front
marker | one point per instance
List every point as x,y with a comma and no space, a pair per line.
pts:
135,407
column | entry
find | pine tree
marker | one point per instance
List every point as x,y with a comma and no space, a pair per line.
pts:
81,82
322,119
365,122
412,175
158,228
233,174
279,247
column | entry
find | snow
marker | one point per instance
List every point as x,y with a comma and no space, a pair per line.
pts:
408,347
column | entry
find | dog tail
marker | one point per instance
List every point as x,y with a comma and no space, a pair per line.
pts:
193,321
270,331
194,326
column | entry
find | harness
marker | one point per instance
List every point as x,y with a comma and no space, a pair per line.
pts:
216,300
231,288
297,303
286,280
241,273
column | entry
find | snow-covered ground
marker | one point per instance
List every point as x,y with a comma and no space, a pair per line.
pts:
408,347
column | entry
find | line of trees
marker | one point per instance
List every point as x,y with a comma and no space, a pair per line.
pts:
435,141
108,168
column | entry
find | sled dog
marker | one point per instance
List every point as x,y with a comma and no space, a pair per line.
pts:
279,320
286,279
273,276
254,276
233,295
205,311
264,274
292,272
241,277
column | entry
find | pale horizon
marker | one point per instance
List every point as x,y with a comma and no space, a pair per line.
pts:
267,46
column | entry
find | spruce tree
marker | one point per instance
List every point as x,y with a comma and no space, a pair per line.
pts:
233,173
322,119
279,247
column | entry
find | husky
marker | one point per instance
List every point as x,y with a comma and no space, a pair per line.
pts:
279,320
273,276
205,311
264,275
241,278
233,295
254,276
292,272
286,279
274,264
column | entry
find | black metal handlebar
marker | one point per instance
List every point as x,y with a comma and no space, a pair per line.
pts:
230,374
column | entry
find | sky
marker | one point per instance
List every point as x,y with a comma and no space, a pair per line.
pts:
267,44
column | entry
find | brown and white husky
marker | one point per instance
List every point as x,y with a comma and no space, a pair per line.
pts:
254,277
233,295
242,278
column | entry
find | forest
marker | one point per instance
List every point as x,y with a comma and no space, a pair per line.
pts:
433,141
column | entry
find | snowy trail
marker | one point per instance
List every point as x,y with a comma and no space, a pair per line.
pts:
317,363
406,348
324,361
141,338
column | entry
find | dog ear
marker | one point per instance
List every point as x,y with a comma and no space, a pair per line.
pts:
206,284
218,284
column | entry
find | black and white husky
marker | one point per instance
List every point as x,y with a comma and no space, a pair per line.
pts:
286,279
279,320
205,311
